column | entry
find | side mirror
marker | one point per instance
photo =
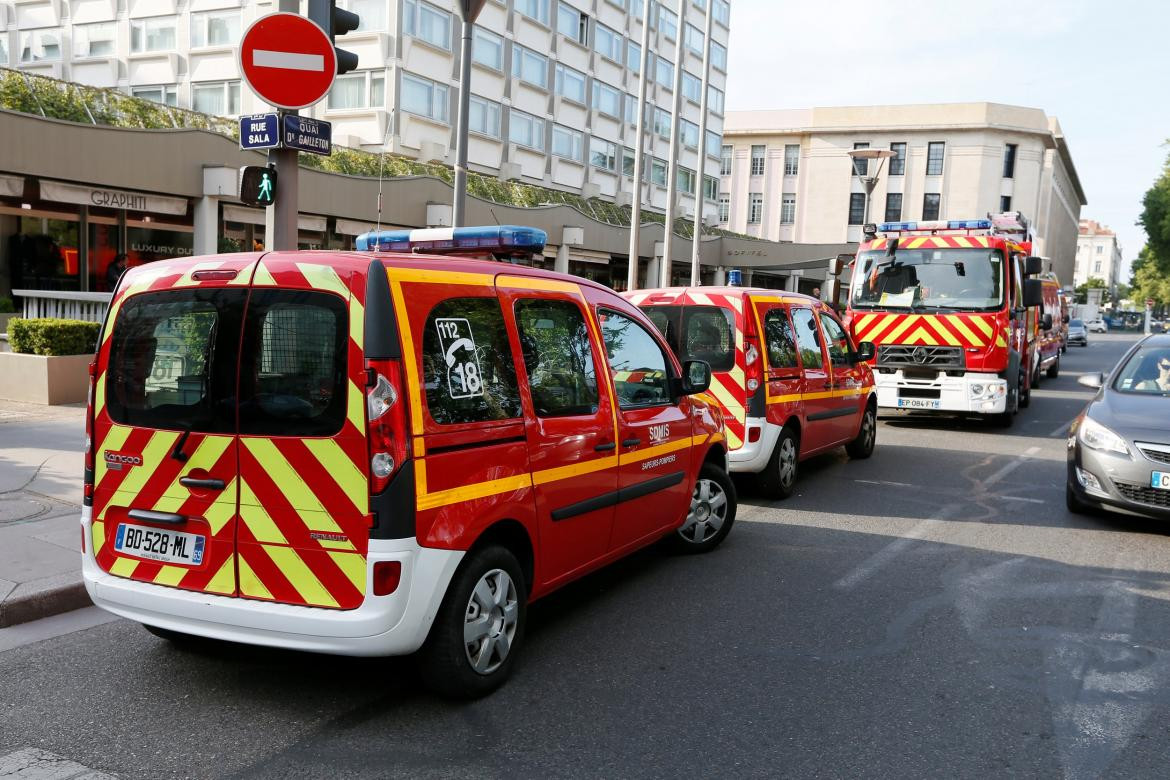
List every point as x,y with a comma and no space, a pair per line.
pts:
696,377
1033,265
1064,319
831,292
1094,381
1047,322
865,351
1033,292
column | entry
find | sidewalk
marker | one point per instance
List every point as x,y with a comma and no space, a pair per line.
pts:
40,494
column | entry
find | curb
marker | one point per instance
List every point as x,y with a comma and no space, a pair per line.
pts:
44,598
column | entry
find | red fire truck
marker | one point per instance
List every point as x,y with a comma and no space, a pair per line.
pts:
953,313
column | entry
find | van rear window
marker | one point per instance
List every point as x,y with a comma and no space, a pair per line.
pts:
697,333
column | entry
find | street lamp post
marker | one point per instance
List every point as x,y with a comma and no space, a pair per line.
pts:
869,182
468,11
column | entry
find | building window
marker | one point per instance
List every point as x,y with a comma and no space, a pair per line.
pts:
714,99
664,72
714,141
1005,203
860,164
693,37
1009,161
3,50
893,206
631,109
371,13
567,143
529,66
755,208
220,98
167,94
788,208
758,160
1100,249
215,28
427,23
667,21
724,208
685,180
692,87
602,154
898,161
710,188
40,45
424,97
934,158
662,123
573,24
570,83
483,116
534,9
721,11
89,40
856,208
658,172
1096,266
930,205
689,133
719,56
628,163
607,43
157,34
487,48
791,159
633,56
526,130
607,99
366,89
725,161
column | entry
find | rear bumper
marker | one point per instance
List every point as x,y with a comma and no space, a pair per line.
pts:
753,457
396,624
954,393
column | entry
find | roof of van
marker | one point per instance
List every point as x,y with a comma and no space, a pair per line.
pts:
725,290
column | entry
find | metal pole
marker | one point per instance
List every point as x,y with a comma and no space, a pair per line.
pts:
672,155
697,241
280,219
639,162
459,207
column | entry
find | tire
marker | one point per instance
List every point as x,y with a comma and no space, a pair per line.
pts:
489,592
711,513
1025,393
778,479
862,447
1074,504
1054,369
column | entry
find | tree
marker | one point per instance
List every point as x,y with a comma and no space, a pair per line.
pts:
1150,281
1155,218
1092,283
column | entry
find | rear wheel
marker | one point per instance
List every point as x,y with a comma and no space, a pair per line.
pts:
1054,369
779,478
862,447
1024,393
479,627
711,513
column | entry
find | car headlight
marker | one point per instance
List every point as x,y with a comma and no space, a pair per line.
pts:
1095,435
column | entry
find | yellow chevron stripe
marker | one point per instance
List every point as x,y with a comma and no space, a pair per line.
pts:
115,438
205,456
733,441
999,341
97,537
140,281
300,576
260,524
655,451
99,395
160,445
224,580
187,280
923,334
984,325
915,243
981,241
962,241
353,566
357,322
536,283
727,400
124,567
893,336
299,494
347,476
861,323
942,330
356,408
170,575
967,333
879,327
222,509
244,276
263,277
478,490
250,584
323,277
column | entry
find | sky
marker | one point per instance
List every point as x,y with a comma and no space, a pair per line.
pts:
1101,68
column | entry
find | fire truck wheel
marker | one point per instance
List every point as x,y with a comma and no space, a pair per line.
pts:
1025,392
1054,369
779,478
710,514
479,628
862,447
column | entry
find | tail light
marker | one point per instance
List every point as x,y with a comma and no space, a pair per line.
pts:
87,489
387,576
754,370
386,413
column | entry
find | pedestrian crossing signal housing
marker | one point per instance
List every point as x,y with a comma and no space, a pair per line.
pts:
336,21
258,185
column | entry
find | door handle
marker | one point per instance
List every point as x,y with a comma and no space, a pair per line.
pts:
631,442
196,482
150,516
605,447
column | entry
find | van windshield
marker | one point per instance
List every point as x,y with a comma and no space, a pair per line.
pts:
929,279
704,333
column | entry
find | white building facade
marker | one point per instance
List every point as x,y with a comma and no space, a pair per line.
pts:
1098,255
787,175
554,82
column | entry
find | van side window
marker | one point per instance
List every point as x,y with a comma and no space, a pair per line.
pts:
468,369
781,343
557,357
839,348
293,364
709,336
639,369
808,337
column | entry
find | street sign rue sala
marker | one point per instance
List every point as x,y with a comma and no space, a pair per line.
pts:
260,131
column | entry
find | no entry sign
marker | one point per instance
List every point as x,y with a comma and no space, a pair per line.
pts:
287,60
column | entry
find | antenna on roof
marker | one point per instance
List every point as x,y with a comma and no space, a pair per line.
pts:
381,160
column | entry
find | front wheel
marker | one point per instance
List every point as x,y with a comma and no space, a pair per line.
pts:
711,513
862,447
1074,504
479,627
779,477
1054,369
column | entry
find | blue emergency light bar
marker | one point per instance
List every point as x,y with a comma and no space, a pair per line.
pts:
496,239
954,224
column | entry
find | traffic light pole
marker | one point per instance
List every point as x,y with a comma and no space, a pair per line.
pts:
459,207
280,219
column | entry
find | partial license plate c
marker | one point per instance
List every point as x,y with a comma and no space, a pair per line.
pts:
919,403
1160,480
158,544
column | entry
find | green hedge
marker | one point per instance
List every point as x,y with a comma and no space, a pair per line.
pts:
52,336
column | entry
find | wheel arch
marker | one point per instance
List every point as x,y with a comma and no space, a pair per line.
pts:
513,536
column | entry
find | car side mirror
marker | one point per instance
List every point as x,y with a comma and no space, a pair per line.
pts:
696,377
1033,266
865,351
1033,293
1064,319
1095,380
1047,322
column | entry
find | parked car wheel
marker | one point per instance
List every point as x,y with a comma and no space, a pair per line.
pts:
710,514
779,478
1054,369
862,447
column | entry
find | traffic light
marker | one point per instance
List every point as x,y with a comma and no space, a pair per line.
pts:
258,185
336,21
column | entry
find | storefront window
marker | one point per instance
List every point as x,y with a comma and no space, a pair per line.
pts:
147,244
45,255
103,248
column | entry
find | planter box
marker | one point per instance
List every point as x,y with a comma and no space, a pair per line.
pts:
44,380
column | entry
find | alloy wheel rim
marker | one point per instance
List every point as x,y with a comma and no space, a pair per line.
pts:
490,621
870,430
707,514
787,462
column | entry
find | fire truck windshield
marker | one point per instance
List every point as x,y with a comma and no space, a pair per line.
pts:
918,279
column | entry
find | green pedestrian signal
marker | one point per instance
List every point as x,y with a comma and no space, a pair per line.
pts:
258,185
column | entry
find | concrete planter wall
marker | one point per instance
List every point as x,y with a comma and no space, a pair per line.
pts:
44,380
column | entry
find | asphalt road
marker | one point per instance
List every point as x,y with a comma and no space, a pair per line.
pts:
931,612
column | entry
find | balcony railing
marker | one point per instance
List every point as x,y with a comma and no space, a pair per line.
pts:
89,306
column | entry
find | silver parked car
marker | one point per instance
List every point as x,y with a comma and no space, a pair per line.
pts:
1077,334
1119,446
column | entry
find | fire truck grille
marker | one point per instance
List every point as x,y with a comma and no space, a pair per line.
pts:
898,355
1144,494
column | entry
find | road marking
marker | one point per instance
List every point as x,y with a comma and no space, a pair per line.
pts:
1009,467
883,482
264,58
1021,498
